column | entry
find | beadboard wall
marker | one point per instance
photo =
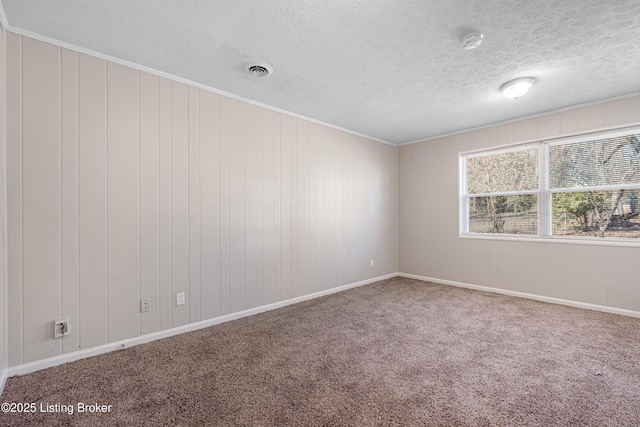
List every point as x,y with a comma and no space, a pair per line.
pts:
3,127
124,185
430,247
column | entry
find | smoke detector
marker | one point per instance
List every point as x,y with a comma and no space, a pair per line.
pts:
471,41
258,69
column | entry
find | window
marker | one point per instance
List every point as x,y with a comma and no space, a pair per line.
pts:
585,186
502,192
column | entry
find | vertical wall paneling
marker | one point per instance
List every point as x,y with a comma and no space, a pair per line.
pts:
179,201
393,187
595,116
268,225
225,207
92,237
351,204
123,186
348,256
503,134
516,134
303,208
330,246
341,182
166,300
277,208
568,122
548,126
14,199
209,167
41,197
122,202
285,206
320,209
149,178
340,248
69,194
194,205
253,255
3,201
339,207
294,208
623,112
369,207
236,206
529,130
312,208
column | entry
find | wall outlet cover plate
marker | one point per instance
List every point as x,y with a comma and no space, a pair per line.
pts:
60,328
180,298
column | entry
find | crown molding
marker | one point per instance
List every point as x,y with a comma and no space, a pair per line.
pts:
519,119
79,49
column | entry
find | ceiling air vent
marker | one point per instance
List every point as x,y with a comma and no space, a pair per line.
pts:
471,41
258,69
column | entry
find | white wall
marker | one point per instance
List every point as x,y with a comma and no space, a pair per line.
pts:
429,242
3,284
123,185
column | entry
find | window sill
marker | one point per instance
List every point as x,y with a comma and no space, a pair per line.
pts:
592,241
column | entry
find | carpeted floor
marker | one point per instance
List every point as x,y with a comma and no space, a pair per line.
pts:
397,352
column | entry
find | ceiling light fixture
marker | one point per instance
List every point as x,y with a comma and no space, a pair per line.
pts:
471,40
514,89
258,68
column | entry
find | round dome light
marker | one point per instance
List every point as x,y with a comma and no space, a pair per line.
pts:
514,89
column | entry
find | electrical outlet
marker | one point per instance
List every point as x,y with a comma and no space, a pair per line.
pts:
372,263
180,298
60,328
145,305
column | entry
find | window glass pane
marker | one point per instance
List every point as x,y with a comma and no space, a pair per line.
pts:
610,161
504,214
597,213
511,171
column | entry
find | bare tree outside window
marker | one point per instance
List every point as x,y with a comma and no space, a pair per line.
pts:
583,186
498,185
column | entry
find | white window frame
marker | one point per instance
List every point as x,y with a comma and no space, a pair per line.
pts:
465,197
544,192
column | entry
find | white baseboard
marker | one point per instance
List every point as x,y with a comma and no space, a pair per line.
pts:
106,348
95,351
570,303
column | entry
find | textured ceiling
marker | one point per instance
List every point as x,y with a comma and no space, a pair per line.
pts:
390,69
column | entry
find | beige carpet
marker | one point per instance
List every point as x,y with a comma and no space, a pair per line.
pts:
397,352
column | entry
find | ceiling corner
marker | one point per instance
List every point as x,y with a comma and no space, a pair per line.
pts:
3,18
